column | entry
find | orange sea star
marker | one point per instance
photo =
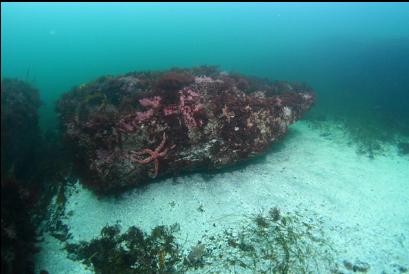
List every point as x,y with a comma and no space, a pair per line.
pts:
154,155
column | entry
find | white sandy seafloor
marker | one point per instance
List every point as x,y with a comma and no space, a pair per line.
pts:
364,202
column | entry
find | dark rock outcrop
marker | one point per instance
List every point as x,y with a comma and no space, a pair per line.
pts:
19,127
129,129
20,138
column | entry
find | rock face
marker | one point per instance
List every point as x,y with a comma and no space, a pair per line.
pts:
19,127
130,129
19,140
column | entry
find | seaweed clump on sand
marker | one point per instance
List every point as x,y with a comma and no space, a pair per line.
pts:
369,137
274,242
127,130
369,133
130,252
403,148
266,243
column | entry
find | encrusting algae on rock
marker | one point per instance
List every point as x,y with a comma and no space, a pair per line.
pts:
129,129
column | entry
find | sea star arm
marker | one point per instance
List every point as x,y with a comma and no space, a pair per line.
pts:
160,147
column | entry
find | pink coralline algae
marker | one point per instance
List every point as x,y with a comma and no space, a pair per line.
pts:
203,79
188,107
153,102
172,109
129,122
177,121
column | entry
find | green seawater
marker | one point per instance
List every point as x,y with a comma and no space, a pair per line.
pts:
341,171
356,56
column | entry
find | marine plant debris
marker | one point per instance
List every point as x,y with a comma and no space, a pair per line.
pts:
275,242
130,252
127,130
281,243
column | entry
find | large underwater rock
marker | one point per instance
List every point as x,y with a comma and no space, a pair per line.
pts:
127,130
19,126
20,137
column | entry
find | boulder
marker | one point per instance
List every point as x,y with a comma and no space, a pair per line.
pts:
133,128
